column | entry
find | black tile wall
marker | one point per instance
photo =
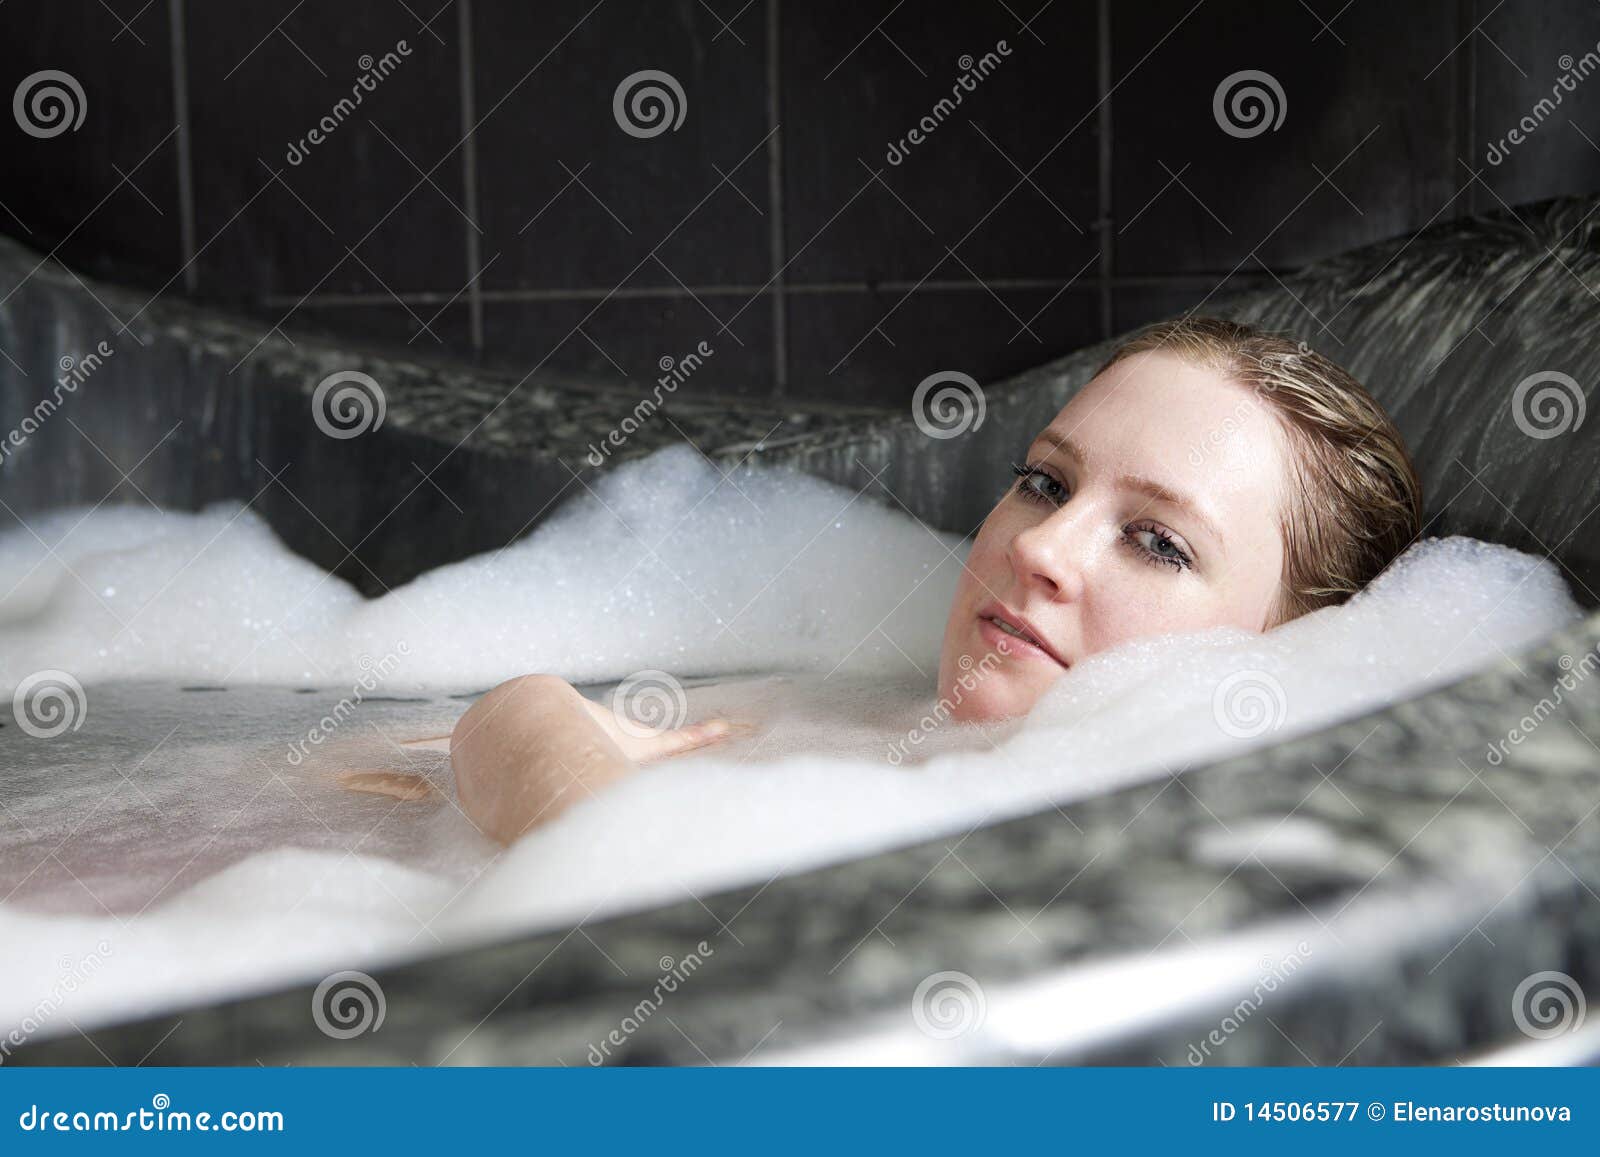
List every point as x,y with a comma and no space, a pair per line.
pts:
850,345
1141,304
1006,178
424,328
376,206
1522,57
621,339
104,196
1353,158
659,218
482,200
571,200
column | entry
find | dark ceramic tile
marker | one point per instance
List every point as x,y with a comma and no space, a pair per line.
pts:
572,200
621,342
1371,100
859,78
265,74
433,330
1522,57
69,187
866,348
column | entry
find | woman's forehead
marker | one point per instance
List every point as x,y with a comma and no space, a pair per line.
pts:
1149,407
1182,426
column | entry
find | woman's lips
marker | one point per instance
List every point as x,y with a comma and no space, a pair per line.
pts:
1009,644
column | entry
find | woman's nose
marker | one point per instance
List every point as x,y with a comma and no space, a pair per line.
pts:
1051,557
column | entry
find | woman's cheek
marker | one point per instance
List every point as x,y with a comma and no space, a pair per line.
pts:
990,549
990,557
1137,609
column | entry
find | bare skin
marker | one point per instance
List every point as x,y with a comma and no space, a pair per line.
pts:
382,781
533,747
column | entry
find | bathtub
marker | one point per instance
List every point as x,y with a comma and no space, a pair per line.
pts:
1141,930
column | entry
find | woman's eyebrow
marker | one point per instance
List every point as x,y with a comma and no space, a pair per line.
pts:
1057,439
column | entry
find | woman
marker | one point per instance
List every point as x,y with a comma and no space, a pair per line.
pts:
1209,475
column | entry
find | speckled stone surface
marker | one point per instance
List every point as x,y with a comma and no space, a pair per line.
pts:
1415,882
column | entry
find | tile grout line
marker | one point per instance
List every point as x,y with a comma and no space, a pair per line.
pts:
780,319
1107,265
1461,127
469,173
441,297
1473,192
180,109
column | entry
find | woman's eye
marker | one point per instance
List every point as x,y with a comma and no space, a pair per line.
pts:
1153,545
1159,549
1035,484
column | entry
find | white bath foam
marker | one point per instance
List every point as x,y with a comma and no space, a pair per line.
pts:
769,806
666,563
810,783
278,915
130,592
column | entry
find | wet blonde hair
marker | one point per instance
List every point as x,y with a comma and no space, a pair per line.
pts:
1354,501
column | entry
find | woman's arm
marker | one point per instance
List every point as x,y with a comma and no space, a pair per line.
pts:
533,747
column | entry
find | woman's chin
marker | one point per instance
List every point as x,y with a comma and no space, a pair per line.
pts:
971,712
993,699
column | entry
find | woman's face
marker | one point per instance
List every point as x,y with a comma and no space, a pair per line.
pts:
1151,505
